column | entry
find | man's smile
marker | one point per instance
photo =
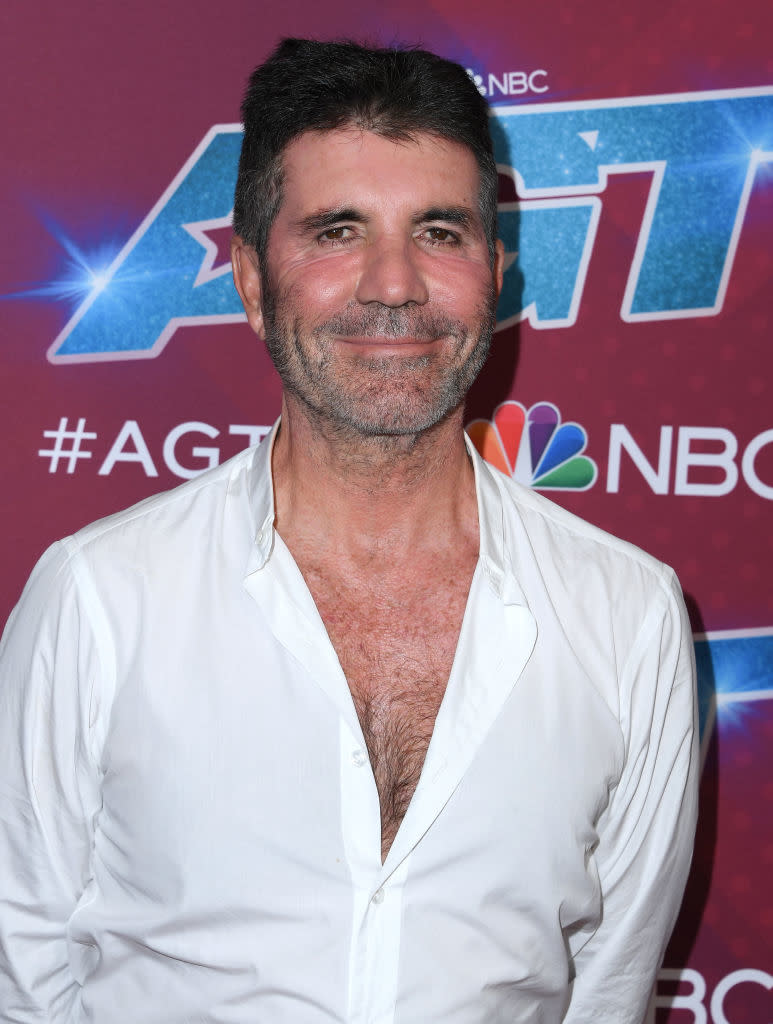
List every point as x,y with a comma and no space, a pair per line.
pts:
401,345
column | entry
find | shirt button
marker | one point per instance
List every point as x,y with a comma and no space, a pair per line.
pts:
377,897
359,757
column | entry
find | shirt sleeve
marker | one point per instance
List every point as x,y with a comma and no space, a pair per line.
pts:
49,789
646,834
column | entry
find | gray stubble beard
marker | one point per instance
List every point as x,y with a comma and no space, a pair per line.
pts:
374,409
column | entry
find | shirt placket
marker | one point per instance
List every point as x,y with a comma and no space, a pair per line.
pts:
377,893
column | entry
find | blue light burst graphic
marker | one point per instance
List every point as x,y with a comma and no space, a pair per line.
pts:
735,674
85,273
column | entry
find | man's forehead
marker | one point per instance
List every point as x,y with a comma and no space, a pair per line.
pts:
353,154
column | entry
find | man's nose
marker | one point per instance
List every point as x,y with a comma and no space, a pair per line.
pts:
391,274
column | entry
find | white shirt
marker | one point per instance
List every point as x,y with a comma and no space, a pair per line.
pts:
189,825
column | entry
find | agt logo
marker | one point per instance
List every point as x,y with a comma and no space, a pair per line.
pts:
702,151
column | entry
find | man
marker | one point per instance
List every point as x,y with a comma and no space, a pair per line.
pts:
351,728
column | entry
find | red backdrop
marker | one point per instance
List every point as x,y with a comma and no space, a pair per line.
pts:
634,336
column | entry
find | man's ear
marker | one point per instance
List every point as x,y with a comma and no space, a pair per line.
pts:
499,266
246,270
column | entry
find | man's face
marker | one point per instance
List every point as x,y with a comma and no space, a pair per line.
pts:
378,294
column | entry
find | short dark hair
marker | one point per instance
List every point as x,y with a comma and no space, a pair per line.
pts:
306,85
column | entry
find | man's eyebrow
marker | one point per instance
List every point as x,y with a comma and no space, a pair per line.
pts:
322,219
459,215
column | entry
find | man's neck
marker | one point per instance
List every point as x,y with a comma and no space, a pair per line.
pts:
370,497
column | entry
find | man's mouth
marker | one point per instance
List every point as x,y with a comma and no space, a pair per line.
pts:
370,346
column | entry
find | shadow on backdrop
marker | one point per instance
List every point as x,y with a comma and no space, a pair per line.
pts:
495,382
699,882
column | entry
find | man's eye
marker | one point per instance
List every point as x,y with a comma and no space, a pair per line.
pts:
337,234
441,235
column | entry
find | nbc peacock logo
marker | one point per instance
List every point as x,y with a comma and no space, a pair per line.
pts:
535,447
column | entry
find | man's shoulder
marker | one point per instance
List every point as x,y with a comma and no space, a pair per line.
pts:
179,517
577,550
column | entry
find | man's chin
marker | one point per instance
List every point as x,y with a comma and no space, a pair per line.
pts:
387,415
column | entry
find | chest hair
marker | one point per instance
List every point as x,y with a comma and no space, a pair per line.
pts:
396,644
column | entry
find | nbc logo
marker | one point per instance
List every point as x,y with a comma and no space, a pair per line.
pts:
535,447
510,83
478,80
